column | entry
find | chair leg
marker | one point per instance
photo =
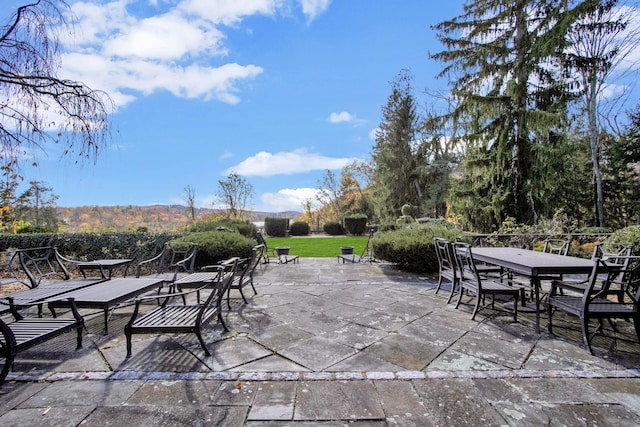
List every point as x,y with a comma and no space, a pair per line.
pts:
459,296
477,307
636,324
242,295
453,291
204,347
221,320
128,336
8,362
549,316
79,337
585,333
439,284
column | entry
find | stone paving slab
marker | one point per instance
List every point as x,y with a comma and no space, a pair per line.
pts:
330,344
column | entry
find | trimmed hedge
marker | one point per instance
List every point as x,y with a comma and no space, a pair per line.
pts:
216,246
245,228
356,225
213,246
276,227
299,228
411,249
333,228
88,246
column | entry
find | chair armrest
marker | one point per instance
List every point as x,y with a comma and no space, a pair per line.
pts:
65,259
145,262
145,298
578,286
183,263
211,267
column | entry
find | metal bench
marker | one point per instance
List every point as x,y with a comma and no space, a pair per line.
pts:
183,318
26,332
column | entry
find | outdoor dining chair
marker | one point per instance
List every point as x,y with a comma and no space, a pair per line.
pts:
556,246
615,255
471,281
593,302
446,265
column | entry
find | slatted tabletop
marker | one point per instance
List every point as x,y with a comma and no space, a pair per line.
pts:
106,295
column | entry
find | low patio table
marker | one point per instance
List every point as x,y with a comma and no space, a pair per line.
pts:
45,291
534,265
103,265
105,295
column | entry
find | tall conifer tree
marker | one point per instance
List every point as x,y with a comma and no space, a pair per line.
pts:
393,154
500,57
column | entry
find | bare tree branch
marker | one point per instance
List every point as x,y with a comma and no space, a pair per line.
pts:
37,106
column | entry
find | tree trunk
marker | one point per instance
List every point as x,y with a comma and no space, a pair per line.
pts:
595,150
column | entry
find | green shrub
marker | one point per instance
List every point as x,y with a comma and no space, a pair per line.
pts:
333,228
90,246
412,249
356,225
404,219
245,228
276,227
299,228
388,227
216,246
629,234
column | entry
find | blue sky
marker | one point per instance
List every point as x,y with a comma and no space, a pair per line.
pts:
277,90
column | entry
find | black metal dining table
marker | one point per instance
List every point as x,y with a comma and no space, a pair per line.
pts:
534,265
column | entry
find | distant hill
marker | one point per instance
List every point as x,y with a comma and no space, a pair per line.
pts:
154,218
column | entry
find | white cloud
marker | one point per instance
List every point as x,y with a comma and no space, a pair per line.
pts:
609,91
150,39
286,199
286,163
120,77
372,133
229,12
130,48
342,117
313,8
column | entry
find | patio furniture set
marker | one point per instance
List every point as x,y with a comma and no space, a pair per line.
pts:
51,284
605,287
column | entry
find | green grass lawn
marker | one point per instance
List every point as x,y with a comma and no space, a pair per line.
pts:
318,247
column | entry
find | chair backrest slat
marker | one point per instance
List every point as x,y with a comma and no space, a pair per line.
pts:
556,246
466,264
41,263
444,253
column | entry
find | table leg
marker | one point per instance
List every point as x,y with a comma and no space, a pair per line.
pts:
536,290
106,320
